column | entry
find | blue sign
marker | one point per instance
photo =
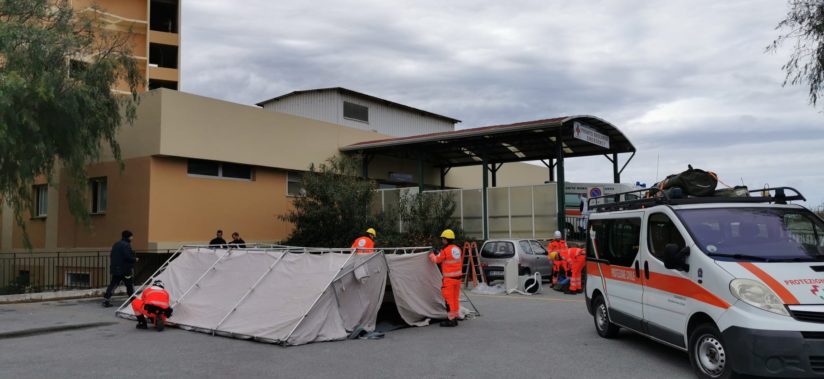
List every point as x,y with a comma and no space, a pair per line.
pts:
595,192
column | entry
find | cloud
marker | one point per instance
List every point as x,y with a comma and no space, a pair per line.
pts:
687,81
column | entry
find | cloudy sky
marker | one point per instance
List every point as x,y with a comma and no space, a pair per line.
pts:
686,81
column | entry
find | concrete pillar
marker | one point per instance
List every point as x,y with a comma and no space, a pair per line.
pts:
8,227
52,217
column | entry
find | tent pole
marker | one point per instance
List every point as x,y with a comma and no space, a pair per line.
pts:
470,302
146,283
197,282
334,278
248,292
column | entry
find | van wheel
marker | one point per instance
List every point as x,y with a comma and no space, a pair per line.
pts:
708,353
603,326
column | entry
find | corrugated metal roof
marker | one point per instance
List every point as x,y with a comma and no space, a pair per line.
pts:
522,141
345,91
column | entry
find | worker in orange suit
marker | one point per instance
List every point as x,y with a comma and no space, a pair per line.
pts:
365,243
153,305
451,260
558,246
577,260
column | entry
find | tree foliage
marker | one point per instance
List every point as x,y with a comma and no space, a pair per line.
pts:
57,109
419,219
337,206
804,28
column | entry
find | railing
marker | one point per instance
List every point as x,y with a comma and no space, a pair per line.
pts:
58,271
575,228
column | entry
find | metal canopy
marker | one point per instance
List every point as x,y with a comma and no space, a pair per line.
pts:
552,139
524,141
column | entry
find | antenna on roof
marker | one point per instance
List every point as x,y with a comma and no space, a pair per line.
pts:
657,164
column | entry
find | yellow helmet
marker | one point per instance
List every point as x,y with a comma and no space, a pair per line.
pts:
553,255
372,232
448,234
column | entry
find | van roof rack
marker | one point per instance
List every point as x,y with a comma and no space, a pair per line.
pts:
648,197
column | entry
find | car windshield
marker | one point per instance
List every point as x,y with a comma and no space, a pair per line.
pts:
498,249
766,234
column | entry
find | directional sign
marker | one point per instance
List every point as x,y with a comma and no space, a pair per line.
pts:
586,133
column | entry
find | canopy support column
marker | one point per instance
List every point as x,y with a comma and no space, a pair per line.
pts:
366,159
420,173
444,171
559,154
494,169
551,166
484,198
616,175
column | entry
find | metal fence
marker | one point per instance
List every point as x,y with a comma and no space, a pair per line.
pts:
57,271
513,212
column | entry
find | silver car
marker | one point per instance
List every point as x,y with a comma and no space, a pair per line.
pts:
531,255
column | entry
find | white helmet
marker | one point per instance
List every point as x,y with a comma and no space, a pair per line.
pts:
557,234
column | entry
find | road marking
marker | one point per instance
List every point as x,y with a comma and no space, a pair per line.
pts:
531,298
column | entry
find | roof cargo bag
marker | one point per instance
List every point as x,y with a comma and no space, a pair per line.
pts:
693,182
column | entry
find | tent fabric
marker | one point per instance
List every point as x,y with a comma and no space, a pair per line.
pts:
416,286
294,297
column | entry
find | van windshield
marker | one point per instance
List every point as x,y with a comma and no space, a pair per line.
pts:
756,234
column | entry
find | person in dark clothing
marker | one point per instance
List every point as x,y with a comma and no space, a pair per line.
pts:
122,264
218,241
237,241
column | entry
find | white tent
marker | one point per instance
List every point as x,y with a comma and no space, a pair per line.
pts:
294,296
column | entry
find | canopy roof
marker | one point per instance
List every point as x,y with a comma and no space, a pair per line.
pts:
523,141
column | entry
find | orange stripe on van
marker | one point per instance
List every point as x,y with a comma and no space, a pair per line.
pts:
684,287
592,269
667,283
779,290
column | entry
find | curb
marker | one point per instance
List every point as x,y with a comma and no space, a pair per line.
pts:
56,295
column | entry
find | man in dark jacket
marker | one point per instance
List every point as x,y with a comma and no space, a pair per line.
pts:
122,264
237,241
218,241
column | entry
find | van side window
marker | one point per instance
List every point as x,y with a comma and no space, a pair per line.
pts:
615,240
662,231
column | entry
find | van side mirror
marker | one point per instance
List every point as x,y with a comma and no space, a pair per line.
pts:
675,258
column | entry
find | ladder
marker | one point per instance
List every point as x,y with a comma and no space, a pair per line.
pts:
472,265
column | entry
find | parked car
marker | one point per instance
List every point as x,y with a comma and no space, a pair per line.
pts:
531,256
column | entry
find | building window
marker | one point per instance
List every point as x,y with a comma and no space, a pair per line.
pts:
163,16
99,189
162,55
200,167
78,279
294,184
155,84
41,200
355,112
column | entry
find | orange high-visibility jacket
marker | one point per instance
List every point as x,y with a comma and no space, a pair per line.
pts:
363,245
451,260
554,245
155,296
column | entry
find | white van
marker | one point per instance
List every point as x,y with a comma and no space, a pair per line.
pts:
737,283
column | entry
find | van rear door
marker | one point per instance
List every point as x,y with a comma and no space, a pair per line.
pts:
616,244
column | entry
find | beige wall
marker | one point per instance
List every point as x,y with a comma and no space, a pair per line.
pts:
190,209
130,9
510,174
127,208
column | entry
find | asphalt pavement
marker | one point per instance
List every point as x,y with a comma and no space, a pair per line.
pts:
549,335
